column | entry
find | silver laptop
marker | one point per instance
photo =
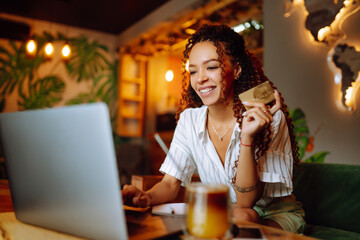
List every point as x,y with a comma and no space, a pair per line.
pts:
62,170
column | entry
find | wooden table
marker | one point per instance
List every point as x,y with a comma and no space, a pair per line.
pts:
5,197
12,229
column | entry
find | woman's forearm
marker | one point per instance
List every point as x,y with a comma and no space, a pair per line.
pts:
247,185
164,191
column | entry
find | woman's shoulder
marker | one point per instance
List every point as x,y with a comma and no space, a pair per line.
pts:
278,115
194,112
193,118
279,119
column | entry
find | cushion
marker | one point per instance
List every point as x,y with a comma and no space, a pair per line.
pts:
330,233
330,194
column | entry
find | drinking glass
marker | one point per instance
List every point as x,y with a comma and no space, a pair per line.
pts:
208,211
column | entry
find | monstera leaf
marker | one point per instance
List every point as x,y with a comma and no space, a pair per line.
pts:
18,71
104,89
108,89
43,93
15,67
87,60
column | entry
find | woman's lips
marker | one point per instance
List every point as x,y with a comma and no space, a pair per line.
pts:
206,90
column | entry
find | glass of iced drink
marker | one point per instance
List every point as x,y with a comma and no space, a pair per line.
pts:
208,211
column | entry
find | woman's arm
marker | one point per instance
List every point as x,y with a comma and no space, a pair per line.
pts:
164,191
248,187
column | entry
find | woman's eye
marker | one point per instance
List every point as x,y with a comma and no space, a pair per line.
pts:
192,72
213,67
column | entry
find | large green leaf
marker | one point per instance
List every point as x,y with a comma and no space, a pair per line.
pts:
87,60
302,136
104,88
318,157
297,114
301,130
16,69
302,142
82,98
43,93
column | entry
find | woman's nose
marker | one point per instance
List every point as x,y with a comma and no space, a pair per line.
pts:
202,76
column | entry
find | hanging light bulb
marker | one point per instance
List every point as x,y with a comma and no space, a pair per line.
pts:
66,52
49,50
31,47
169,76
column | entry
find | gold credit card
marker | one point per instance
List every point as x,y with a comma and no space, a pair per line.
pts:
261,93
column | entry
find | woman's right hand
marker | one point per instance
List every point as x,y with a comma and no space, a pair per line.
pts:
133,196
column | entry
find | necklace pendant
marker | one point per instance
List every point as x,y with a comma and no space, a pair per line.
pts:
219,136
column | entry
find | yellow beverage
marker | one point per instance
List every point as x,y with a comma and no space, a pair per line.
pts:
208,210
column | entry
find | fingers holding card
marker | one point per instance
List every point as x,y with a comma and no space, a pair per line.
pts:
262,94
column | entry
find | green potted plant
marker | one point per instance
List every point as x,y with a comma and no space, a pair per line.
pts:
304,140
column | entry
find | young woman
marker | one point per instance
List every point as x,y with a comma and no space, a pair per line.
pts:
252,151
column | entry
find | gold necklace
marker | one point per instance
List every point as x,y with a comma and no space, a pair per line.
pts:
221,137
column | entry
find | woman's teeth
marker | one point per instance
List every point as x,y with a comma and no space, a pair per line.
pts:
206,90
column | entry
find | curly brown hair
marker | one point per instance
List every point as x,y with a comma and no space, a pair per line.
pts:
230,44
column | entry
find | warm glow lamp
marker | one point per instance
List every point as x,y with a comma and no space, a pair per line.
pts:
66,52
350,96
31,47
344,55
169,76
49,50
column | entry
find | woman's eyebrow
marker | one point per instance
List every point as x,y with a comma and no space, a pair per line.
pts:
205,62
211,60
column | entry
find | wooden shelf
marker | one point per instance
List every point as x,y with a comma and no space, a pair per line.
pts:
132,80
131,115
131,100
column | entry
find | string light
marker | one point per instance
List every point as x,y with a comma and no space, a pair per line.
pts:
31,48
244,26
66,52
49,50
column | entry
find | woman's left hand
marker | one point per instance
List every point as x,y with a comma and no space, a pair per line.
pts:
257,118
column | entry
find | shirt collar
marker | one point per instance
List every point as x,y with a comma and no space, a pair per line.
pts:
202,125
237,128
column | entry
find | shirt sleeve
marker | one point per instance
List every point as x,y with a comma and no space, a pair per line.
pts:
276,165
179,162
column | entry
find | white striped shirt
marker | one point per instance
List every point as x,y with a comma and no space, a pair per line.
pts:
192,150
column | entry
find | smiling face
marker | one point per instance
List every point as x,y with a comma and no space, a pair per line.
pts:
205,74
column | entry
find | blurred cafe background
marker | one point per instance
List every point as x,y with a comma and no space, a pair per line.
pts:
128,54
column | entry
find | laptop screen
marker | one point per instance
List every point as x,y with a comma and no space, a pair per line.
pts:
62,170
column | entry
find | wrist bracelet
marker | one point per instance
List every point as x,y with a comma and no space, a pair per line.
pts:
246,145
245,190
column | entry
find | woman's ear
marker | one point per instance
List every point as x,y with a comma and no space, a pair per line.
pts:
237,71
